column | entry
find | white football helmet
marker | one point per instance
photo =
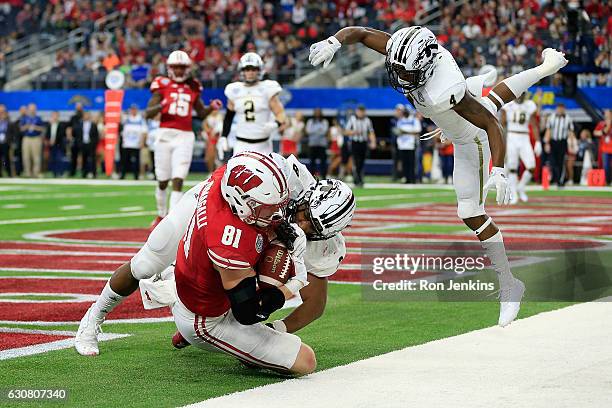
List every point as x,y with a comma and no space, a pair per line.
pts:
255,188
251,59
410,59
329,205
178,59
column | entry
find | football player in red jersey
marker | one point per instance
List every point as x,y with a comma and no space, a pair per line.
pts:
218,303
175,97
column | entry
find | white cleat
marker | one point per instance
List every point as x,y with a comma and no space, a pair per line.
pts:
513,199
86,340
523,196
510,302
553,61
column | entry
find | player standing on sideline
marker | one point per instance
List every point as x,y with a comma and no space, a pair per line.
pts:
517,116
429,77
254,101
175,97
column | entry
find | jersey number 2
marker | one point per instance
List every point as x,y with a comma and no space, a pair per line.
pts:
249,111
231,236
180,104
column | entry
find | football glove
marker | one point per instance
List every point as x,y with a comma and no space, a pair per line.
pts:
323,51
300,279
497,179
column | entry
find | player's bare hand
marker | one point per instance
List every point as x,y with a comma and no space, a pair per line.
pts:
323,51
498,180
216,104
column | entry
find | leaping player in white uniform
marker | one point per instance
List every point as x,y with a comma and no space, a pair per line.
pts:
322,210
517,116
427,74
254,101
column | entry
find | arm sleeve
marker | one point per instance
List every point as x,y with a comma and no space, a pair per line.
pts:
227,122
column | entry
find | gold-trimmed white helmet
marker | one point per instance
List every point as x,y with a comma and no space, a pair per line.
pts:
251,59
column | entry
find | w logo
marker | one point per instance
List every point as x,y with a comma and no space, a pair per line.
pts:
243,178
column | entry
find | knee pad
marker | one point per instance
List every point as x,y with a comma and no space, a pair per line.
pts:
469,209
145,264
157,253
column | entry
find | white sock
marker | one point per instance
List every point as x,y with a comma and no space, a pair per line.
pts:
175,197
106,302
525,178
161,198
495,250
513,179
520,82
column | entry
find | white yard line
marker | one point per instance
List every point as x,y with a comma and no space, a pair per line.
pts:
111,321
135,208
76,218
73,195
12,206
72,207
556,359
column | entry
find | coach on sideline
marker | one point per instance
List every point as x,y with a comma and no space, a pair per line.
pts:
361,132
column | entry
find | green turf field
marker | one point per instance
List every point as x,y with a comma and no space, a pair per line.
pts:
144,370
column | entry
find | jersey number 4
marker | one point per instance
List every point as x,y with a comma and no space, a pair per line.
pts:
180,104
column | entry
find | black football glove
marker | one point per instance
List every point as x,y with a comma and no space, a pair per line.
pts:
286,234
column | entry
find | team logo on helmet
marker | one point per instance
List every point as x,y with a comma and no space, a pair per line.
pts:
243,178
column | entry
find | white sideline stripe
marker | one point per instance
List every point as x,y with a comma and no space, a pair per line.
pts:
561,358
77,182
400,196
76,218
72,297
71,253
136,208
71,195
44,236
117,321
54,345
12,206
72,207
53,277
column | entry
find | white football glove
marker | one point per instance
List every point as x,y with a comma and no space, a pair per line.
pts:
537,149
497,179
323,51
300,279
270,127
222,147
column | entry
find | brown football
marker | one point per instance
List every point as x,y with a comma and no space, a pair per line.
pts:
275,266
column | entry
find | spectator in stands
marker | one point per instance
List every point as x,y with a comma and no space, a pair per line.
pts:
85,134
292,135
558,128
361,132
603,131
410,128
316,133
133,134
55,135
32,128
2,71
5,160
98,119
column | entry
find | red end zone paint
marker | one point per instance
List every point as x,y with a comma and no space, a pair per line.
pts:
131,308
16,340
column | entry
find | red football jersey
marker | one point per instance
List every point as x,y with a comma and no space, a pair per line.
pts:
215,236
180,98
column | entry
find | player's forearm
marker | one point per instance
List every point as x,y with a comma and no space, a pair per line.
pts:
306,313
497,143
203,112
371,38
152,110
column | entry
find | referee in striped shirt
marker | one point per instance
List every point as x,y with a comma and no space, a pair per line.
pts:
361,133
558,128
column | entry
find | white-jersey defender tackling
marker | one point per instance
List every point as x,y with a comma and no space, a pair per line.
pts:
257,107
518,116
429,77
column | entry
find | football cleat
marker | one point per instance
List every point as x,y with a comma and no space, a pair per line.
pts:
86,340
155,222
553,61
178,341
510,302
514,199
523,196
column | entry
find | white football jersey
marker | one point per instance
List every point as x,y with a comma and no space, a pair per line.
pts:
322,258
252,107
445,89
518,115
